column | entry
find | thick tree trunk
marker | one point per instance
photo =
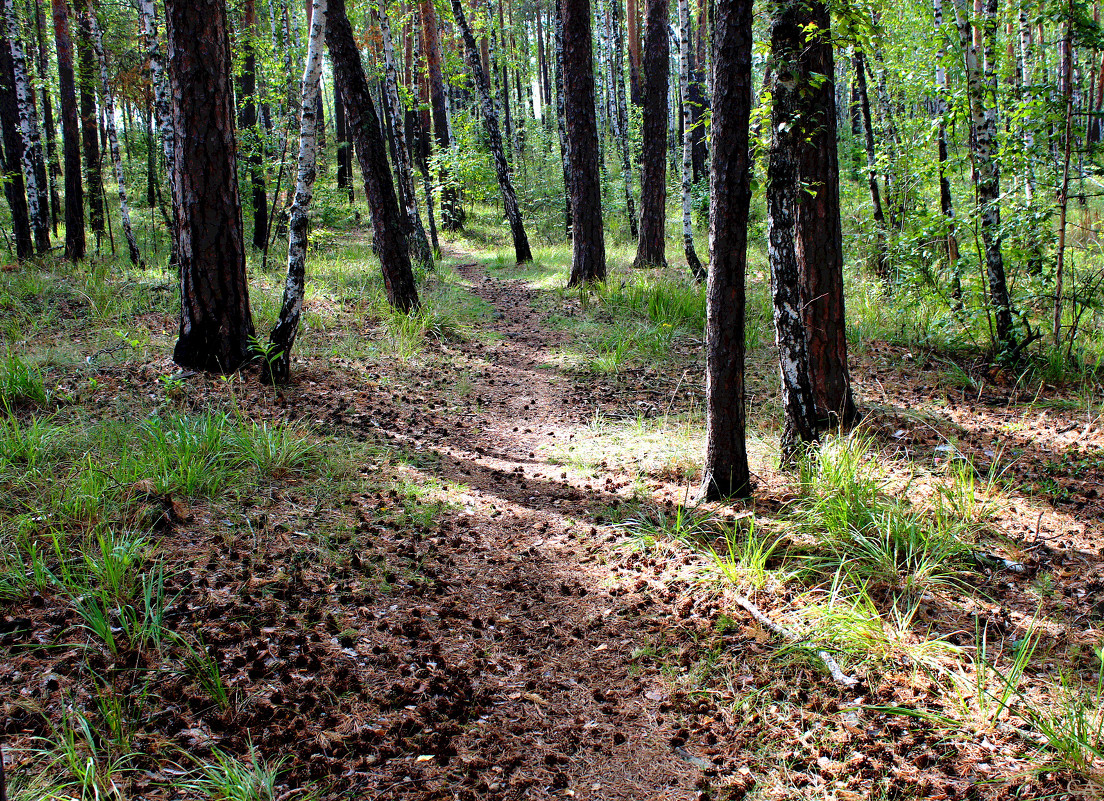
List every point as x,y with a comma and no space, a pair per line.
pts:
819,232
783,185
90,132
277,363
983,119
692,260
216,327
452,212
31,157
70,133
112,136
522,253
249,130
588,257
726,472
561,117
14,186
650,250
387,220
881,261
42,66
415,233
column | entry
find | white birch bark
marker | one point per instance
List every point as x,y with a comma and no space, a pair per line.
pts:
31,155
416,235
162,102
278,359
684,45
1026,120
112,135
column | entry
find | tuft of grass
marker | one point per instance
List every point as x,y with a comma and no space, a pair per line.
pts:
21,383
231,779
745,557
654,525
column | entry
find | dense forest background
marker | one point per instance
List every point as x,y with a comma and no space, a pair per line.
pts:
449,399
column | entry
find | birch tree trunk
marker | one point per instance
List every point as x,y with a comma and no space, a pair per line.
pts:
277,363
162,108
90,132
415,233
692,260
14,186
34,171
725,472
983,118
783,185
651,244
588,255
494,137
112,137
70,134
389,240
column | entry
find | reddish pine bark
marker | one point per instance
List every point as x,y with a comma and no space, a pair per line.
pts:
70,133
650,250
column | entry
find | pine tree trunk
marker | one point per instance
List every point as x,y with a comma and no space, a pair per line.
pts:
415,233
250,131
588,256
34,170
162,108
42,65
692,260
452,212
725,472
14,186
387,220
421,134
650,250
277,364
216,327
632,17
819,231
70,134
881,261
90,132
561,118
344,149
783,184
983,119
112,137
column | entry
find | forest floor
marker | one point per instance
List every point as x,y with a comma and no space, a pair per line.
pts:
484,576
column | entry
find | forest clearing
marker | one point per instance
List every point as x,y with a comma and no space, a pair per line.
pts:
383,447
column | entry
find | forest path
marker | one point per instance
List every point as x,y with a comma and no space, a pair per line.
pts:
524,615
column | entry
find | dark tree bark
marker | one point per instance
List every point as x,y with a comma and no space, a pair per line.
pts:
252,137
650,250
561,115
490,122
344,150
15,189
881,263
90,130
726,472
783,185
819,233
588,259
632,23
452,212
70,133
387,220
216,326
42,65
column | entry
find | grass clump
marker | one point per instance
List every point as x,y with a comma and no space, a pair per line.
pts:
21,383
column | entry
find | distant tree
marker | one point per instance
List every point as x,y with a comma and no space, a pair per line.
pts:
14,186
90,130
216,326
452,212
250,129
692,260
588,258
70,134
650,250
726,471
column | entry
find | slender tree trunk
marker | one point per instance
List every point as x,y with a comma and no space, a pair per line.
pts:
387,220
112,137
632,18
542,64
216,326
494,138
987,173
344,149
881,262
42,65
1063,190
415,233
588,257
14,186
70,133
250,131
819,231
452,212
90,132
163,110
619,115
561,118
692,260
422,136
277,364
650,249
783,184
726,472
34,170
942,110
